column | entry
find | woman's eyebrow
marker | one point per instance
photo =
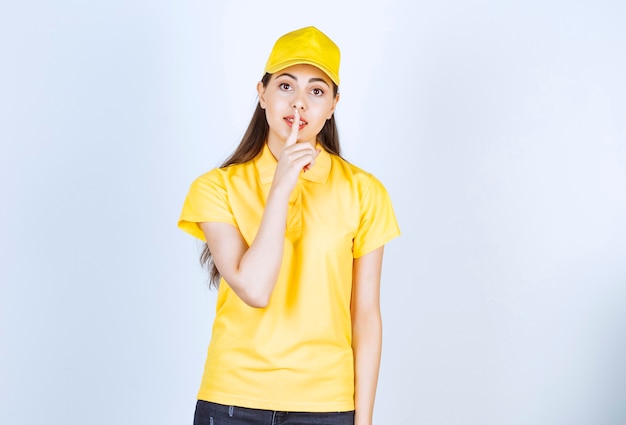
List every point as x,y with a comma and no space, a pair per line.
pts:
311,80
285,74
317,79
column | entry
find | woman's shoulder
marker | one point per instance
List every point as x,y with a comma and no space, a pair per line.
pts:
353,172
220,174
213,175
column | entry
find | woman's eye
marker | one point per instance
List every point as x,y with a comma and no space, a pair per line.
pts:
285,86
317,92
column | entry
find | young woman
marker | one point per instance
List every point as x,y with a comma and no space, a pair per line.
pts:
294,240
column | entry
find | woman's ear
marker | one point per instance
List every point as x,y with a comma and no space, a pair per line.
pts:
332,108
261,92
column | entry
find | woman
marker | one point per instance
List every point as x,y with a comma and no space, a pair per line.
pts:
294,239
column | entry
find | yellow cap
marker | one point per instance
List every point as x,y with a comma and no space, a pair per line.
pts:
305,46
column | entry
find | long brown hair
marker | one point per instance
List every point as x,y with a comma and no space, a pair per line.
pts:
252,144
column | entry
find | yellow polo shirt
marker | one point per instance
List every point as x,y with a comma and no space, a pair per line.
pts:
295,354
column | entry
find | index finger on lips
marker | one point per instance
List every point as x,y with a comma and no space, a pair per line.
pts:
293,135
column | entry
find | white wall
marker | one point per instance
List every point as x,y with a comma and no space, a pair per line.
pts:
499,128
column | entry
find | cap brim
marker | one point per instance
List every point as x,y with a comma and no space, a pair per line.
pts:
286,64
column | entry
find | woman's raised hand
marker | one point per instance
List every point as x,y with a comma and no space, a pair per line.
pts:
295,158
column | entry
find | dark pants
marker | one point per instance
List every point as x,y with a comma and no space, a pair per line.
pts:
217,414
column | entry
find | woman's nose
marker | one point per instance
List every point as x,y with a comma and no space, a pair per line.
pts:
298,103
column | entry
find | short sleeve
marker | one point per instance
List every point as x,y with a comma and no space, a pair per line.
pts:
206,201
377,224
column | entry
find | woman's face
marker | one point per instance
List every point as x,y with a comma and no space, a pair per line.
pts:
305,87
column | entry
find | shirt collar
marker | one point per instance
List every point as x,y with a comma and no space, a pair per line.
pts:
265,164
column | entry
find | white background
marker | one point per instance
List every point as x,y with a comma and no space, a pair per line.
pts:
498,127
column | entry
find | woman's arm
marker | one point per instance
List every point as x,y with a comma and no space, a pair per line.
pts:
366,332
252,271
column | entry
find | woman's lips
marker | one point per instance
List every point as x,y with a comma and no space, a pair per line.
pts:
289,120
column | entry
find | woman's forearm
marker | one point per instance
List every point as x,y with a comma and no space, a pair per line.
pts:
367,332
366,345
260,265
251,271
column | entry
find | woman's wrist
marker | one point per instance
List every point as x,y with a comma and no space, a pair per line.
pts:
362,419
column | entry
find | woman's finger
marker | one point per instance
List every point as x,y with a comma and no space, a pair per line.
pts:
295,125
